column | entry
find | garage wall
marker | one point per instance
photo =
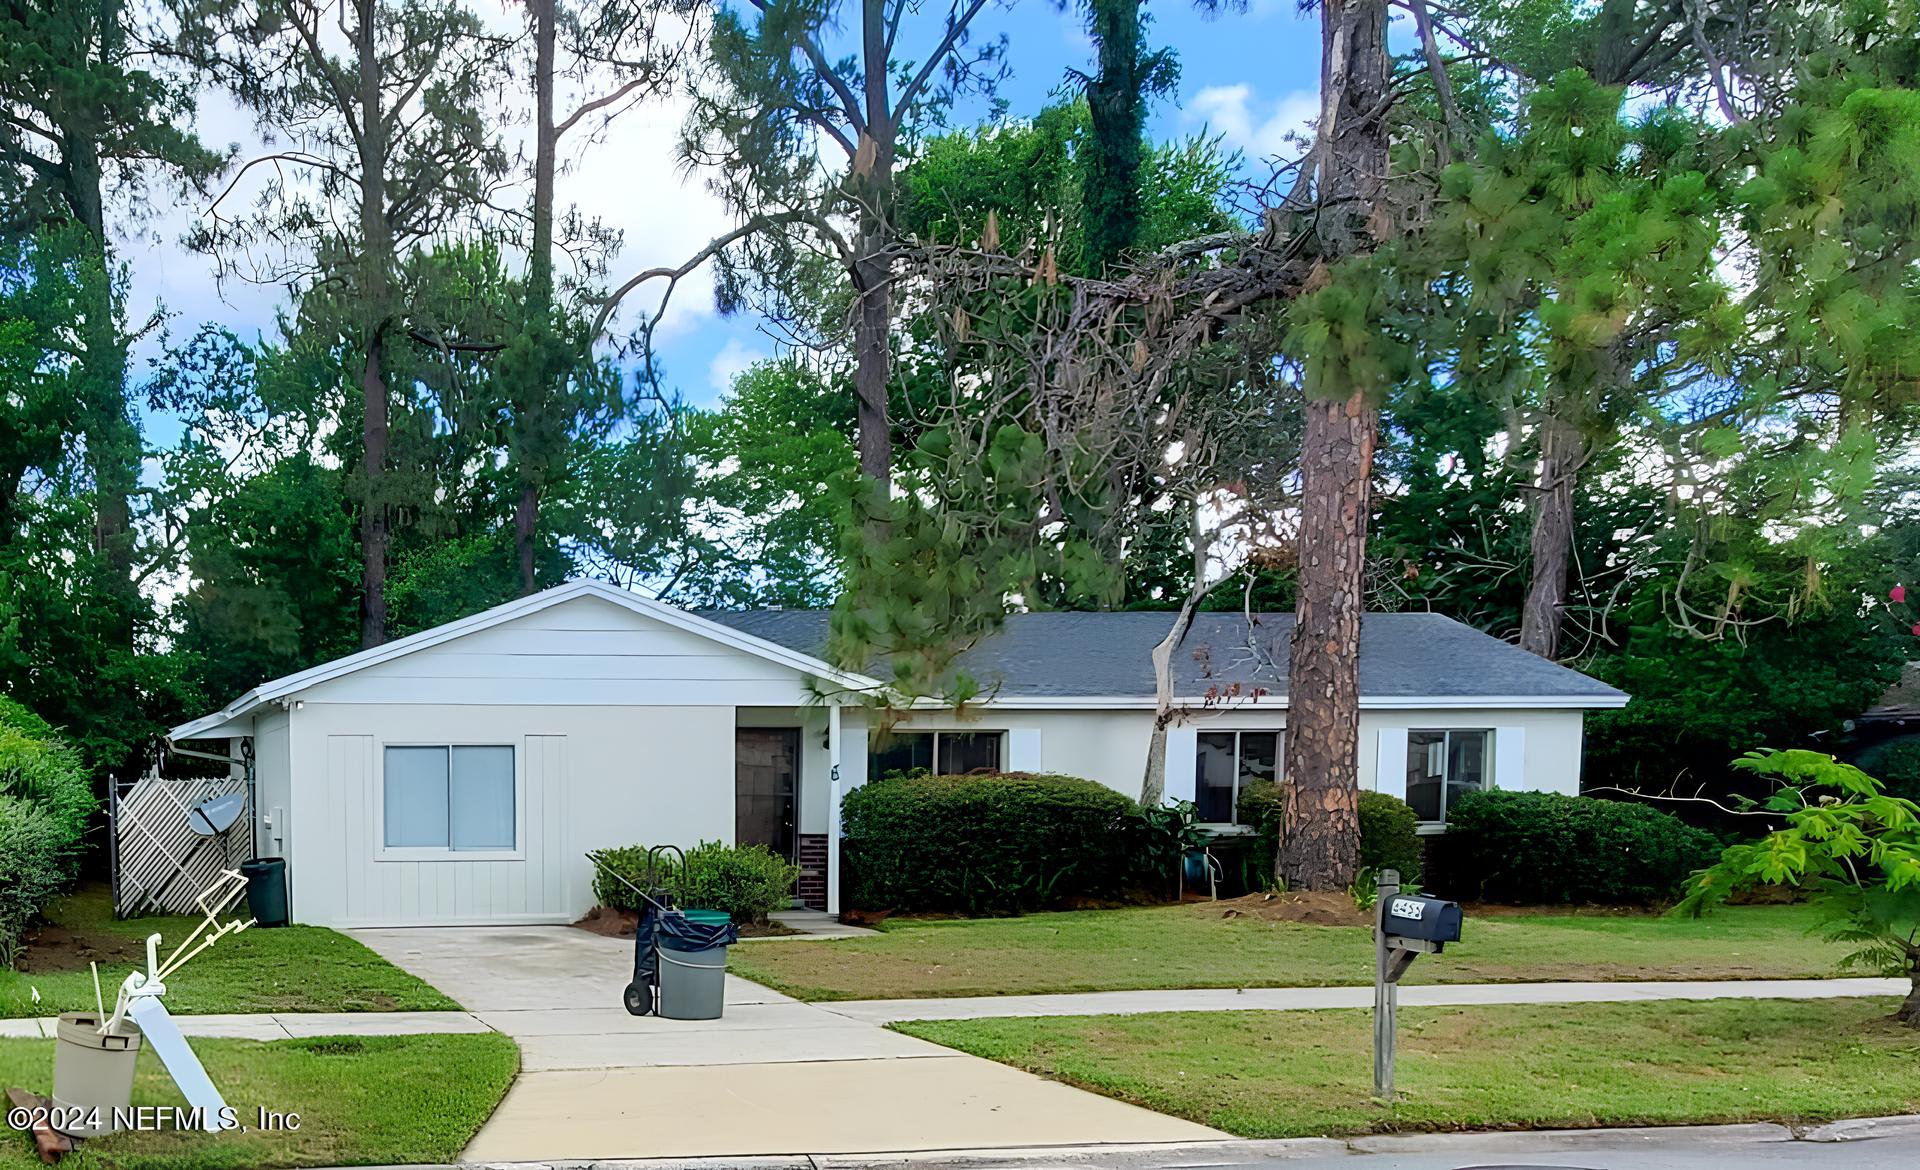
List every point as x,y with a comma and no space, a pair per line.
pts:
585,777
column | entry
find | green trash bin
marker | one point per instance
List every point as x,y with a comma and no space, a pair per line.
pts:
266,890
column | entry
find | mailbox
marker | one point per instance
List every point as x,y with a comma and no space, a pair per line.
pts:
1427,919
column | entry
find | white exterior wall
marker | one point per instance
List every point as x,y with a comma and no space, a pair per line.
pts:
1110,746
1533,751
586,777
623,734
272,785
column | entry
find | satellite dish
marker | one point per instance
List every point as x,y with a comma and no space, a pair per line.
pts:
210,818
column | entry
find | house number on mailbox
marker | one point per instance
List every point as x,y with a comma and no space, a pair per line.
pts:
1408,908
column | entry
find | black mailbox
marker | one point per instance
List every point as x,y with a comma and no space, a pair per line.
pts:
1427,919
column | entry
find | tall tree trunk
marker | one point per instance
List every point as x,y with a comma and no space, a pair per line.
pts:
1116,106
1559,467
1320,841
872,275
873,368
539,311
376,292
112,436
1320,846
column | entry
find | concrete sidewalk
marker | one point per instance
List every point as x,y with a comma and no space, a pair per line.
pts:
771,1076
1121,1003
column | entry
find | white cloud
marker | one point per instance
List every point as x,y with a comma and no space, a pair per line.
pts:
1264,129
733,360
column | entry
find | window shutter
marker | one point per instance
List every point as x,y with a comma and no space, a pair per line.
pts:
1023,750
1510,758
1390,763
1182,744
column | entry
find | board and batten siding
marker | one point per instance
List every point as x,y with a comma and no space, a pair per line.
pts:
584,650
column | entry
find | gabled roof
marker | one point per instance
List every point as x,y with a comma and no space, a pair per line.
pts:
1089,659
1058,660
215,726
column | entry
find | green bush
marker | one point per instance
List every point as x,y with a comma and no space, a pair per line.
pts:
1526,847
747,881
988,844
1388,829
39,767
34,855
1390,836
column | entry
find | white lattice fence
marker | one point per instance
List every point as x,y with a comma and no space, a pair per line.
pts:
160,864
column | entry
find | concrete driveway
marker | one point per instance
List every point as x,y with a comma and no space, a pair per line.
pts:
772,1076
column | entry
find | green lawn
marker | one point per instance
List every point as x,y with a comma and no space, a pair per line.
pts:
374,1100
1194,946
290,968
1292,1074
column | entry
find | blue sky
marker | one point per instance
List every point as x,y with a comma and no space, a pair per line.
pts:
1248,75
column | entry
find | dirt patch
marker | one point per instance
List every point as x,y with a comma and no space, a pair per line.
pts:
1310,909
51,947
611,923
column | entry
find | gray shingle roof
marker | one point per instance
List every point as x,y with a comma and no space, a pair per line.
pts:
1402,655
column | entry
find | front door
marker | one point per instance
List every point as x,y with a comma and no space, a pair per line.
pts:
766,775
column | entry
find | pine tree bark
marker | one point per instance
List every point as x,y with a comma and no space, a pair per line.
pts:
1320,843
376,293
1320,829
539,309
1543,614
112,436
1116,107
872,183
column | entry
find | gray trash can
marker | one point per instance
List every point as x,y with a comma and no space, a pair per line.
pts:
92,1074
693,984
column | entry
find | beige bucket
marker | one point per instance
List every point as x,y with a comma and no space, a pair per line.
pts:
92,1074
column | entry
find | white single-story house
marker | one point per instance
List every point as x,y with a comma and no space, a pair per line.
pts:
460,775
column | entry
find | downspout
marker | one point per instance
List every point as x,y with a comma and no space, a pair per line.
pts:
833,810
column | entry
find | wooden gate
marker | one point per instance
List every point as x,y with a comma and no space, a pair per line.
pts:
160,865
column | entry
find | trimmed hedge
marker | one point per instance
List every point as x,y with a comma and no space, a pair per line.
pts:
1527,847
33,859
986,844
1390,836
749,882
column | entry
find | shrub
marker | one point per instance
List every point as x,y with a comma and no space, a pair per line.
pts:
39,767
986,844
1523,847
747,881
34,854
1390,836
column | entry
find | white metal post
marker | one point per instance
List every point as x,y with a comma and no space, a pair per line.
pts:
833,809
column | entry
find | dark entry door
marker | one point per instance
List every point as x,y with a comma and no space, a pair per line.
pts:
766,776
